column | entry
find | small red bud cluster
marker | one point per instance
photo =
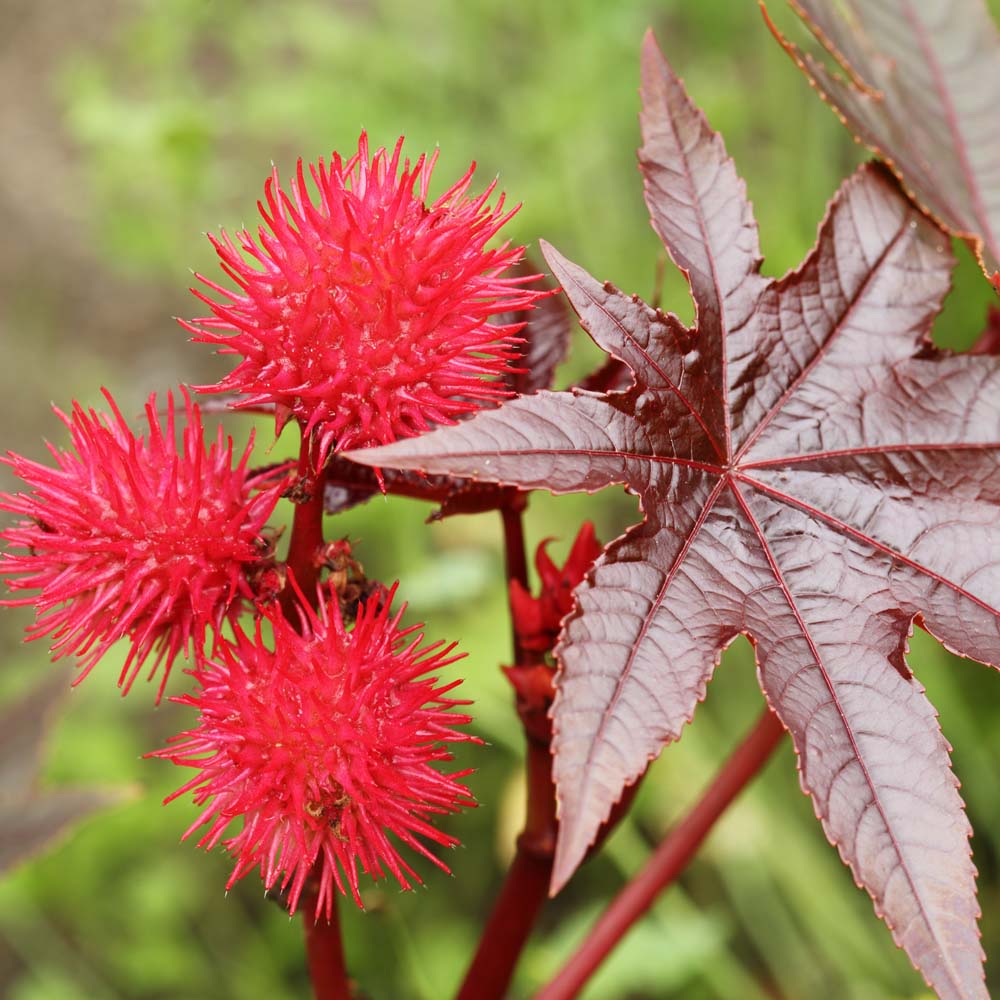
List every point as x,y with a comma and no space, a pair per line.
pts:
537,622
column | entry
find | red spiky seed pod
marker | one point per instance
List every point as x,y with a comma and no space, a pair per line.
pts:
132,537
323,746
364,312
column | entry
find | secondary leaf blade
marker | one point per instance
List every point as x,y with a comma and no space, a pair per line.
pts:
545,334
923,91
35,824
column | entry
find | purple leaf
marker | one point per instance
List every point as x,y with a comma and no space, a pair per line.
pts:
613,374
24,726
545,334
31,820
814,474
347,484
31,826
922,91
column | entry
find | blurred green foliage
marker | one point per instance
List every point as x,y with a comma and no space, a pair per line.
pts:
176,115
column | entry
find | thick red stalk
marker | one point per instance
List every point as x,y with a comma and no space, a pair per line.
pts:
526,885
669,859
325,952
324,947
515,561
304,546
524,890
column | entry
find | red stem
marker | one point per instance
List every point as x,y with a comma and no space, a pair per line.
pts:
307,535
513,536
516,563
526,885
669,859
324,947
524,892
325,953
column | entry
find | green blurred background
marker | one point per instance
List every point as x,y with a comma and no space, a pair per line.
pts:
128,129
